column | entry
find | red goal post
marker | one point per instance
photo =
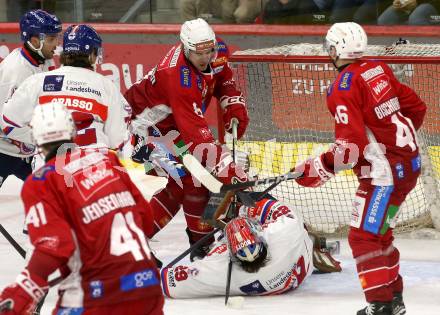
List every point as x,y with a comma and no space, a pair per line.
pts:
286,88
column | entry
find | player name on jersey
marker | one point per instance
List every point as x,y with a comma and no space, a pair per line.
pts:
106,204
387,108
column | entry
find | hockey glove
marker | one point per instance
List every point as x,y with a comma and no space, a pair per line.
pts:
315,173
229,172
235,107
141,150
22,297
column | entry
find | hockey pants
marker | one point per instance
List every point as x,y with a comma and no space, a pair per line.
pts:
193,199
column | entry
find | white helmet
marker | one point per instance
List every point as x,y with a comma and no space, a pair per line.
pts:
197,35
349,40
52,122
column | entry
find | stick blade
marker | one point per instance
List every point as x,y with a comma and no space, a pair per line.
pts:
201,174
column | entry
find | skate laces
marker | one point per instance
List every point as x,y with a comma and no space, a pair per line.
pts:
373,309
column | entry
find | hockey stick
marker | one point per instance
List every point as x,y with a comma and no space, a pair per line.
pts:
192,247
214,217
13,242
228,281
233,206
215,186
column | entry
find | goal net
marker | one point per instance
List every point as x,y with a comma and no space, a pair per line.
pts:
286,90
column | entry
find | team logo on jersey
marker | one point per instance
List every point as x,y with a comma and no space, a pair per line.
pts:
53,83
185,77
253,288
345,83
379,87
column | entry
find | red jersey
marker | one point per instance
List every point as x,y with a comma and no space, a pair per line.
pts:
83,207
175,95
379,115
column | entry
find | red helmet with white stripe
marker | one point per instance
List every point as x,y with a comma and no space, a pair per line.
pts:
245,240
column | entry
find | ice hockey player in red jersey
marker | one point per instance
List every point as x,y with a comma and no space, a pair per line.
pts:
168,107
86,218
376,119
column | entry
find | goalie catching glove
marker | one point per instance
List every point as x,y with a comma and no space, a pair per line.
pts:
22,297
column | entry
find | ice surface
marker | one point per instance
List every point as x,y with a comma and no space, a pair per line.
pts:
331,294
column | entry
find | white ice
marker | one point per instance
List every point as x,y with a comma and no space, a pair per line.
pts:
331,294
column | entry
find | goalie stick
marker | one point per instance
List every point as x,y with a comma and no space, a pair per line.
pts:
214,185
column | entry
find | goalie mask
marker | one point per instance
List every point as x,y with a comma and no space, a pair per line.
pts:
244,239
349,39
196,35
52,122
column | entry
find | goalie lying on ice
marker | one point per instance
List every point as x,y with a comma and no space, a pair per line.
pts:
271,250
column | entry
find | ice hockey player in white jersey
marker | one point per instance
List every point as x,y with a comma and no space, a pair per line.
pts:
99,110
39,33
271,252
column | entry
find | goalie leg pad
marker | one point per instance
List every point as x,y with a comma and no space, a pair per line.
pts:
324,262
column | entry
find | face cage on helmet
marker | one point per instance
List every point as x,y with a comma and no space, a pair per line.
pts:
241,253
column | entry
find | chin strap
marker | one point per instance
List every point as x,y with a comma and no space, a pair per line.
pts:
37,50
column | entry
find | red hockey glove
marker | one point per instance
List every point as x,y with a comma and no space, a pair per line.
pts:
21,297
315,173
235,107
229,172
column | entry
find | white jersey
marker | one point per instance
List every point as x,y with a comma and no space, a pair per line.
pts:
14,69
290,261
100,112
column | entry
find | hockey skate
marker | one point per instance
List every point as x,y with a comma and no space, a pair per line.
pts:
200,251
398,305
376,308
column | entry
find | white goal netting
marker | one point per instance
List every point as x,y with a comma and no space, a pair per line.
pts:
286,89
